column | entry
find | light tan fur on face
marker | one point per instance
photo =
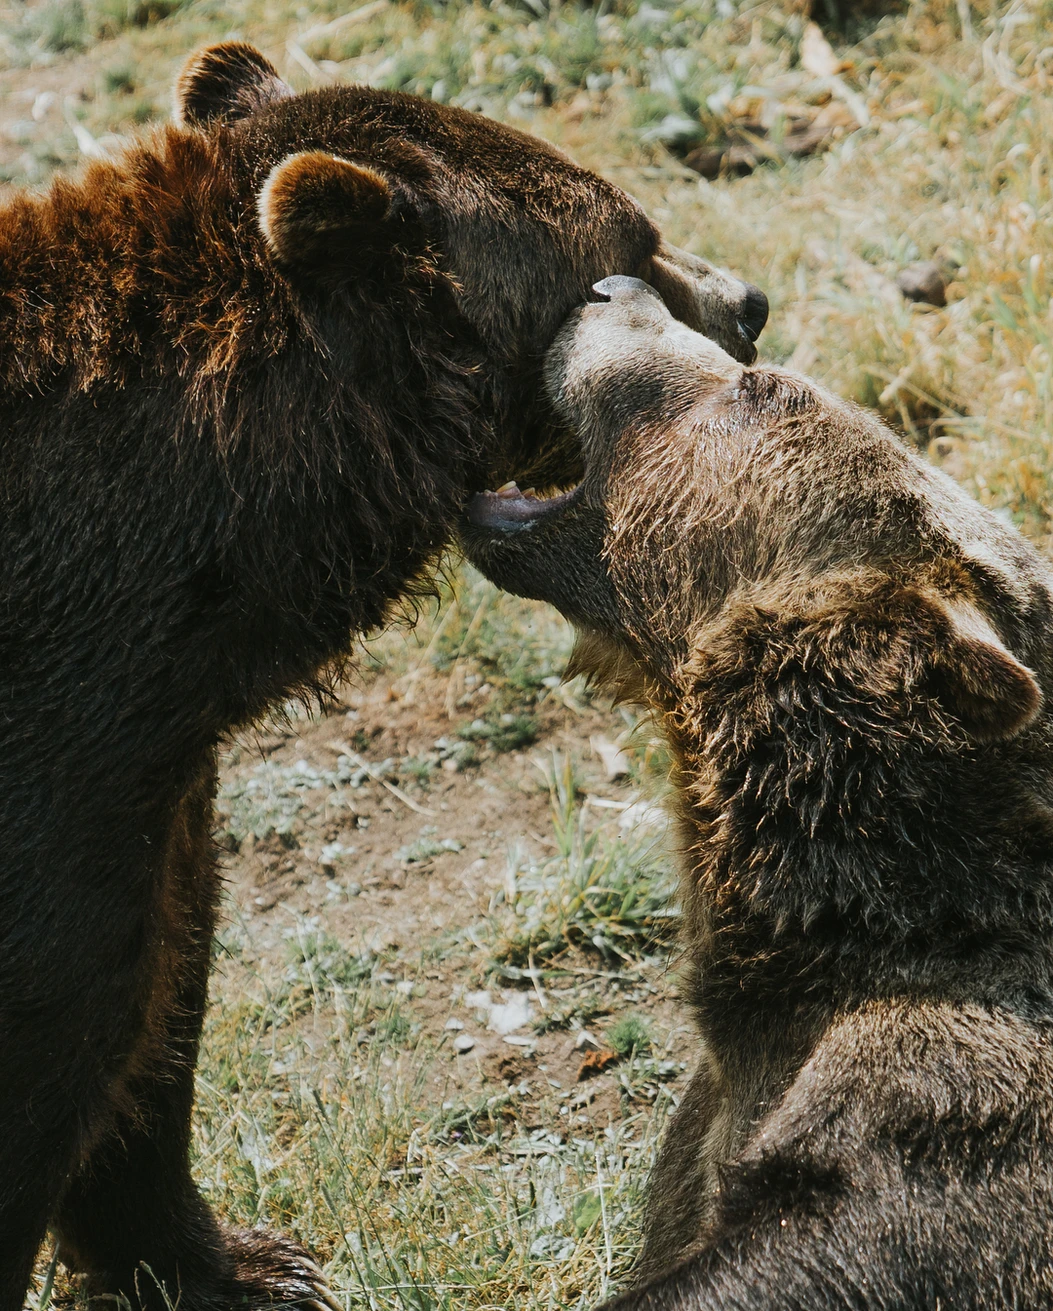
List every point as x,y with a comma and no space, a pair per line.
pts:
600,358
717,479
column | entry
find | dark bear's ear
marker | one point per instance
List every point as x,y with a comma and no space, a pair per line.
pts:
322,214
224,83
981,682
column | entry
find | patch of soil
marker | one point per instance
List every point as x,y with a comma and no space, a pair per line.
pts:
422,863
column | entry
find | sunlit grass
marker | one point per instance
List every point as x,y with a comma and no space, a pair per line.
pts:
321,1112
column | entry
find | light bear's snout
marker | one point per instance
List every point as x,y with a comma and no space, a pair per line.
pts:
621,287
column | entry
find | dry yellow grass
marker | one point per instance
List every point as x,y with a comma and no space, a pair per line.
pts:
954,165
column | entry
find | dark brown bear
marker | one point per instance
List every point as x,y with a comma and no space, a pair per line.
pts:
250,373
852,661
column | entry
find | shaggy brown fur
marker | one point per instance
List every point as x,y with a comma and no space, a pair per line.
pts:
852,662
249,373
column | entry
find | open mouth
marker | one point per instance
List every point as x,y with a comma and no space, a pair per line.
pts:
508,510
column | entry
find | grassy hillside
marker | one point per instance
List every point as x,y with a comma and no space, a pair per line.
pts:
447,841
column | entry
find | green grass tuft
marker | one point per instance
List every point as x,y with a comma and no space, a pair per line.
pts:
629,1035
599,891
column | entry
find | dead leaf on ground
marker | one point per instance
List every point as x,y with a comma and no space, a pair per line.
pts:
614,760
596,1062
924,282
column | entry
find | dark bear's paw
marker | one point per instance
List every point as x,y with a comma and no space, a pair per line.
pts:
272,1271
229,1270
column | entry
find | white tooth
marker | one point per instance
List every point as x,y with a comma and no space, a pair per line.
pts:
531,493
509,489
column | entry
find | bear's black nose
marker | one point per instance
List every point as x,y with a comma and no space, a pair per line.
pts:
754,312
620,287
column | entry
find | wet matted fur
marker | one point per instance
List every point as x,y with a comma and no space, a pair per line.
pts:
852,662
249,373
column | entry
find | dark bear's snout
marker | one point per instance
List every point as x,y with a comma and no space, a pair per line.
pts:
754,313
710,300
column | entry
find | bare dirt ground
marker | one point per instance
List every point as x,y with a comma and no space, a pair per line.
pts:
408,867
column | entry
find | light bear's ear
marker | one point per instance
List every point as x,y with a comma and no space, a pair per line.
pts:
988,690
225,82
921,640
862,650
322,214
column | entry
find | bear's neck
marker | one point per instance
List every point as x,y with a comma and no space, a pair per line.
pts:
212,491
811,888
830,869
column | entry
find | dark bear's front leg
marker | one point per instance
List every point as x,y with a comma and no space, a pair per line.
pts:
136,1227
69,998
23,1224
133,1221
75,955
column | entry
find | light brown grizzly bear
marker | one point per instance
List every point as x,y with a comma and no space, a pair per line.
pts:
852,661
250,372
